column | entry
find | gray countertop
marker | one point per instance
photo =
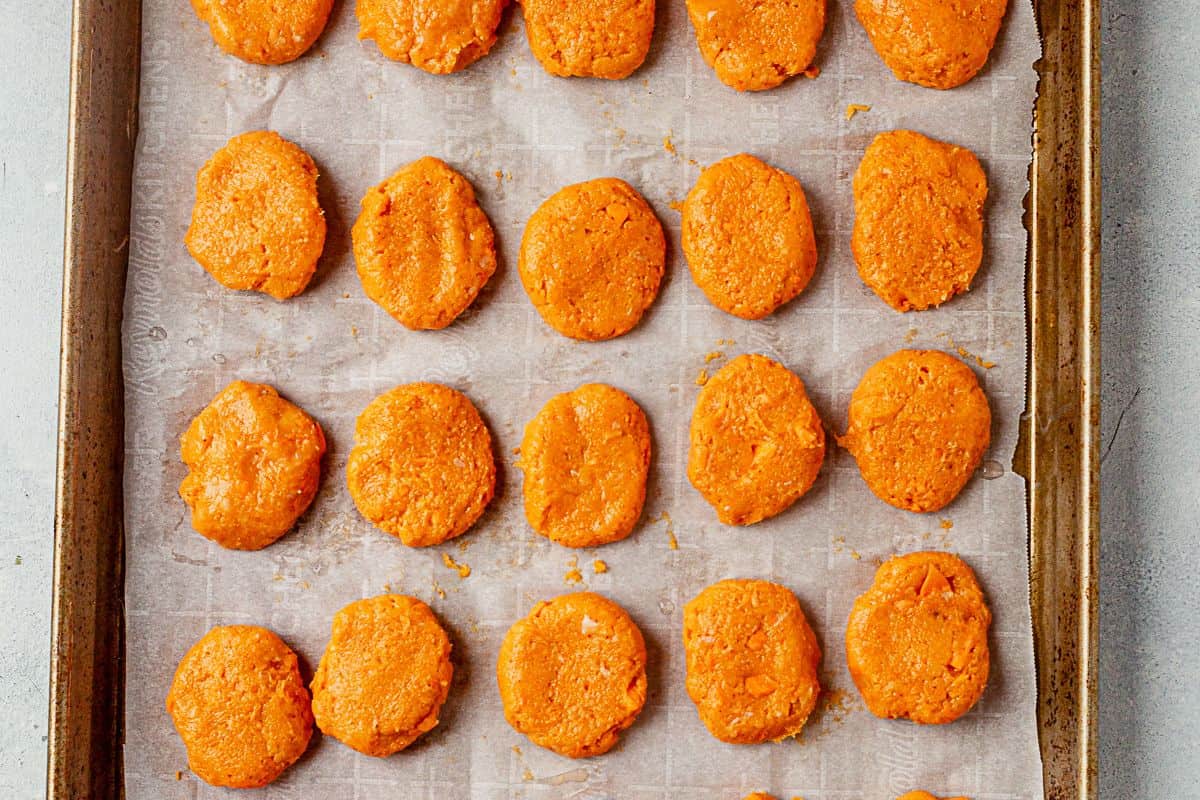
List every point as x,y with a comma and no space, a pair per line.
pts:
1150,610
1150,478
34,55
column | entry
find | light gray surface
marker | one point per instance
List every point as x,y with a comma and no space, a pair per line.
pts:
1150,507
34,47
1150,618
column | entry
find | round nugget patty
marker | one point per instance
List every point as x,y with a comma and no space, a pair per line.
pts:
918,219
384,675
916,643
592,258
748,236
240,707
919,426
572,674
422,467
257,223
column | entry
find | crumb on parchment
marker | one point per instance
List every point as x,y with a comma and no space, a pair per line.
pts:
964,353
672,542
702,377
599,566
967,354
855,108
573,575
464,571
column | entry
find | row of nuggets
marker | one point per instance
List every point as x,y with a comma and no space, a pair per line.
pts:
423,467
750,44
593,255
572,674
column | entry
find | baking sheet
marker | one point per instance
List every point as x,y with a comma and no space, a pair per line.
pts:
519,135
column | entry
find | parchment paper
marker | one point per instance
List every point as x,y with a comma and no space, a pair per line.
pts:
519,135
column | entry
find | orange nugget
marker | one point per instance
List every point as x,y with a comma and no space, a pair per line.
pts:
592,258
919,795
586,456
589,39
916,643
931,42
256,223
384,675
751,661
423,247
573,674
757,443
422,467
240,707
757,44
438,36
918,219
264,31
748,236
254,463
919,426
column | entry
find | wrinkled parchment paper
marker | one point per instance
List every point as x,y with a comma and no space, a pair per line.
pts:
519,135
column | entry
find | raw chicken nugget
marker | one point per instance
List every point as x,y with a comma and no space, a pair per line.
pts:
589,39
748,236
254,464
592,258
934,43
423,246
919,426
384,675
257,223
757,44
916,643
757,443
438,36
586,456
239,704
264,31
751,661
422,467
918,219
572,674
